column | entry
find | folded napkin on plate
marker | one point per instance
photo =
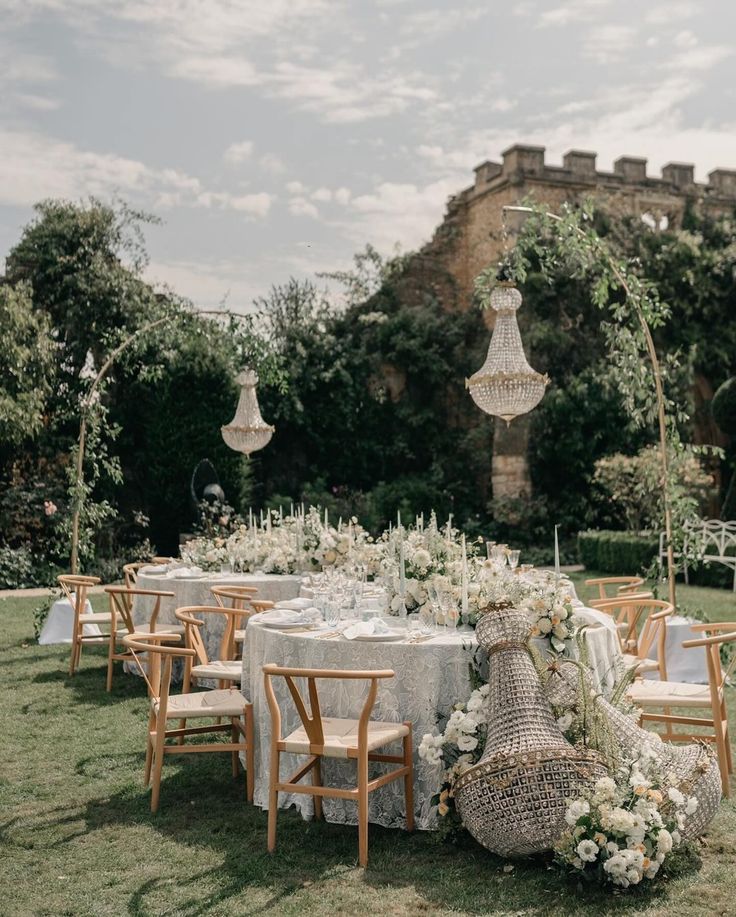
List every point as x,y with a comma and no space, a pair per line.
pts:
290,616
186,571
295,604
154,569
367,628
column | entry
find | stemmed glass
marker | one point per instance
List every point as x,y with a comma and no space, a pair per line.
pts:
434,601
447,604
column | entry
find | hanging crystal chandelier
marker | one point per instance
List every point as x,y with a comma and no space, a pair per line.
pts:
506,385
247,432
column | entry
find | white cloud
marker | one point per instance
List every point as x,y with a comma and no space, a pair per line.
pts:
35,166
666,13
301,207
295,187
342,196
574,11
321,194
608,44
685,39
272,163
238,152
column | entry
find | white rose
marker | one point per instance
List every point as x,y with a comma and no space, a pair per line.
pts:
576,810
691,805
676,796
544,625
467,742
664,841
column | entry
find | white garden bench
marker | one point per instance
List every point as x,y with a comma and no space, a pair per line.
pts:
709,540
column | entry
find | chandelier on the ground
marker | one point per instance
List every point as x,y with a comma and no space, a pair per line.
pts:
506,385
247,432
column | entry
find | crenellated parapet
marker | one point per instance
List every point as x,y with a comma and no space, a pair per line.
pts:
522,164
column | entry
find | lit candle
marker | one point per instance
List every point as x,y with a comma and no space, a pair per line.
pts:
465,579
557,552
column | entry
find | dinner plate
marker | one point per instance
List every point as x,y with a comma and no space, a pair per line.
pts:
380,638
283,625
188,576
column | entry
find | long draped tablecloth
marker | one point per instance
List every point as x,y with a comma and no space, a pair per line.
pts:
430,678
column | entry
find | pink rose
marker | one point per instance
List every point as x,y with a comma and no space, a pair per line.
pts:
49,507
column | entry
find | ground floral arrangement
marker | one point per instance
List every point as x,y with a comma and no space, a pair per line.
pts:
619,834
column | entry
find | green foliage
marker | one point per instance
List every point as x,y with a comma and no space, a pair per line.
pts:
723,407
27,354
632,484
16,567
617,553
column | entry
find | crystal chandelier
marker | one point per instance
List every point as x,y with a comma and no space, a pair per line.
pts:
506,385
247,432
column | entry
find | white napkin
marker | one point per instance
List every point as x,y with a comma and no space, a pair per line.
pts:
367,628
290,616
295,604
154,569
592,617
186,571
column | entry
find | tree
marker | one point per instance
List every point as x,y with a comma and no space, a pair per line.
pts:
27,352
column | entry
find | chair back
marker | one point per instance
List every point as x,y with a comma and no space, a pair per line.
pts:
312,718
121,604
160,657
627,610
75,588
130,573
654,632
717,634
622,583
233,596
187,614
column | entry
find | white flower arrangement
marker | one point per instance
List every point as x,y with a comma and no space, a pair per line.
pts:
623,829
459,746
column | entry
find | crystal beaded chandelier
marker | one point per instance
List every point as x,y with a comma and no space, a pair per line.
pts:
506,385
247,432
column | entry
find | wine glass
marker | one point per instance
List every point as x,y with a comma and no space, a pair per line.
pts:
447,604
513,558
332,612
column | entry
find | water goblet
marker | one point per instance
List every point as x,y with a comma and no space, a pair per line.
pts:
332,613
513,557
426,619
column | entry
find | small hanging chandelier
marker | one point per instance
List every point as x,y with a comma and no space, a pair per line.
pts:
506,385
247,432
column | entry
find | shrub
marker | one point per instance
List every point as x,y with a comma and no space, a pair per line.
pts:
632,484
16,568
617,553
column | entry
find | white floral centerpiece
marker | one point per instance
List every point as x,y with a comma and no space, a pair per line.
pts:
623,830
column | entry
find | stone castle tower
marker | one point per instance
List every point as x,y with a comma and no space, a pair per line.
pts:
470,237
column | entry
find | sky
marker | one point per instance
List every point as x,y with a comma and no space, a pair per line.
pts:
277,138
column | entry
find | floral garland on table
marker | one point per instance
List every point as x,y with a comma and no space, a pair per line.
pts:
622,831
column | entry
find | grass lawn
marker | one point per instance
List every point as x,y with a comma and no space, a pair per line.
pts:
78,837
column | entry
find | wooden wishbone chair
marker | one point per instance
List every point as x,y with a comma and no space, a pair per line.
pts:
320,737
653,633
626,610
649,695
622,584
243,600
121,609
237,598
76,588
228,704
200,665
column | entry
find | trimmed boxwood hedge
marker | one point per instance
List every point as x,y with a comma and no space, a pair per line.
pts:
617,553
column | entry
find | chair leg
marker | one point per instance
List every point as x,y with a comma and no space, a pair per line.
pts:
158,763
110,662
363,809
250,759
149,749
273,800
409,780
76,652
722,760
235,734
317,781
727,737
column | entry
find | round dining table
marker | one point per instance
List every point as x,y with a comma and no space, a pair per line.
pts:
431,676
196,589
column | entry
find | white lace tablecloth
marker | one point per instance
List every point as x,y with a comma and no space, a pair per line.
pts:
270,586
430,678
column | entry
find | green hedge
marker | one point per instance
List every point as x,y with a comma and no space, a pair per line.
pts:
617,553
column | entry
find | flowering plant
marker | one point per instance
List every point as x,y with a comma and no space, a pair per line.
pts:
623,829
548,602
458,747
